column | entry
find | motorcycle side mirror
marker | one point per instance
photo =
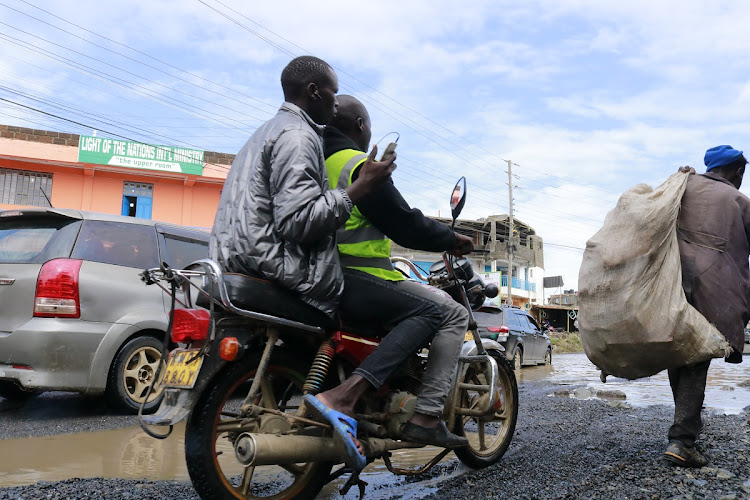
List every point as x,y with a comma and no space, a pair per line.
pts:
458,198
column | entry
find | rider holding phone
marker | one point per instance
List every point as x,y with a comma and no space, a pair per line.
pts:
375,292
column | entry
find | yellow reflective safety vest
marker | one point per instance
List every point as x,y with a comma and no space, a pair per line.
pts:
362,246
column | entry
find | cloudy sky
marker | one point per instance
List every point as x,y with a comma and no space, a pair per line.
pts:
585,97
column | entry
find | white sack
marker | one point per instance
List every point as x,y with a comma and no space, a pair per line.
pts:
634,318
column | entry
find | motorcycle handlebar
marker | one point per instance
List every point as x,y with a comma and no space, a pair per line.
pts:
466,248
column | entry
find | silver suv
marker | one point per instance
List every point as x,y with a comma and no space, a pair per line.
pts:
74,314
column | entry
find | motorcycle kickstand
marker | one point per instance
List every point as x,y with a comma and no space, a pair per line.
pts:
354,479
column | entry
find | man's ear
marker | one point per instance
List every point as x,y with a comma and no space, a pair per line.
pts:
360,124
311,91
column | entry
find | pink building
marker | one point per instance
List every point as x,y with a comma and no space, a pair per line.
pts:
98,174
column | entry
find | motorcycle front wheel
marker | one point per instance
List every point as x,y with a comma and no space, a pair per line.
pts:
209,438
489,436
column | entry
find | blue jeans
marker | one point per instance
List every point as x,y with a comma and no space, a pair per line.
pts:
419,314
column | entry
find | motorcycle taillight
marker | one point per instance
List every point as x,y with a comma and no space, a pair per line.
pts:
190,324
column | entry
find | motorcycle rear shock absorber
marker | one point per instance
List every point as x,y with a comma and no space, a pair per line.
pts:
319,369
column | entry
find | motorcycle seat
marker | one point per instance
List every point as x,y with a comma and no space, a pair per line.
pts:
267,297
364,328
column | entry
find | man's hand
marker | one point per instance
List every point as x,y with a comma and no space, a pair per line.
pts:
686,170
462,246
371,174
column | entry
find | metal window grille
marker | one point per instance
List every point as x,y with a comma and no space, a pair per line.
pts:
22,187
139,189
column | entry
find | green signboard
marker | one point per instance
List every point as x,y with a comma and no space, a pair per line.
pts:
104,151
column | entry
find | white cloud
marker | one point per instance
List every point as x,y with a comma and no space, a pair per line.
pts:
588,97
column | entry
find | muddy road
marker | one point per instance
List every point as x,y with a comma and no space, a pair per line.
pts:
575,438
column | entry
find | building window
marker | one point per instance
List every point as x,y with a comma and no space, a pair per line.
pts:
21,187
137,199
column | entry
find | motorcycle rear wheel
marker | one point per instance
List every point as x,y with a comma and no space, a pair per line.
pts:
489,436
214,470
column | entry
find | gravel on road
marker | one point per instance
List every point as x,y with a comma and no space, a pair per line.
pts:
564,448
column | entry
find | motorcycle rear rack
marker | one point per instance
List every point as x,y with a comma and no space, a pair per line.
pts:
213,277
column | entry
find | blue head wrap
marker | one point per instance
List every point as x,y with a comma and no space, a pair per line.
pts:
720,156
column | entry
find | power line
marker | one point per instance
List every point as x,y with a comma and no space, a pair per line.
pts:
129,58
409,109
160,61
109,76
367,98
288,52
114,134
567,247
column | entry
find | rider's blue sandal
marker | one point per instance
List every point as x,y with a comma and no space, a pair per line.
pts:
344,430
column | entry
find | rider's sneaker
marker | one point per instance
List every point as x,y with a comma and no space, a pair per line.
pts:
681,455
437,436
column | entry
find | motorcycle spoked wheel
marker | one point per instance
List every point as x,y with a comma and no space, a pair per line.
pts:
489,436
211,462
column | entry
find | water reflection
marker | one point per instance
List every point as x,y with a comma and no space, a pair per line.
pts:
124,453
727,390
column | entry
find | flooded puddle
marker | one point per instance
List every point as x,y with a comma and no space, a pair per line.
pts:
727,389
124,453
130,453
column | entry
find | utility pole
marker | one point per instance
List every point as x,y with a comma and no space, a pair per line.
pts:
511,234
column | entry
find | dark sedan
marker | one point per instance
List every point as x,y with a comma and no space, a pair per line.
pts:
524,341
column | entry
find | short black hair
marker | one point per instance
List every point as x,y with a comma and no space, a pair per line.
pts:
300,72
730,167
350,108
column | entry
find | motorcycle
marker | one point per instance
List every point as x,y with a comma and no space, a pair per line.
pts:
240,370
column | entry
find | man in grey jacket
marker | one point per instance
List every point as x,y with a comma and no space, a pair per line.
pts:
277,217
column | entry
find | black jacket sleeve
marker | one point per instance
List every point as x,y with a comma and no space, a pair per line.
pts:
389,212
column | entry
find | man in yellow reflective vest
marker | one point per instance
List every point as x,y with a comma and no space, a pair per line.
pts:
375,291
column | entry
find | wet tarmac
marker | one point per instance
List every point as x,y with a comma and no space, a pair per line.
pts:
130,453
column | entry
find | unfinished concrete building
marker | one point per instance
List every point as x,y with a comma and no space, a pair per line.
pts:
493,235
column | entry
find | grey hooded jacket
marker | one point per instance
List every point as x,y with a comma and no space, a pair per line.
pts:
276,215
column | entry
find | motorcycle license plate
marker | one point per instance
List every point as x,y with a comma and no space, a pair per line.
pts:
182,368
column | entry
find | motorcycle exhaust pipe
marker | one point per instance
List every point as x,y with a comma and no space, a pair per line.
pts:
274,449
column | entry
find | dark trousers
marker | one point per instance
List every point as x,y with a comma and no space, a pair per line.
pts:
416,319
688,389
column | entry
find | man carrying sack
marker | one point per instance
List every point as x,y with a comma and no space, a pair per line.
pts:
713,231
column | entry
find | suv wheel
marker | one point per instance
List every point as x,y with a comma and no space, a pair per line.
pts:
131,374
517,359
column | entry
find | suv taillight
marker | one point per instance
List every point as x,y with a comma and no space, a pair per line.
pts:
57,289
190,324
498,329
